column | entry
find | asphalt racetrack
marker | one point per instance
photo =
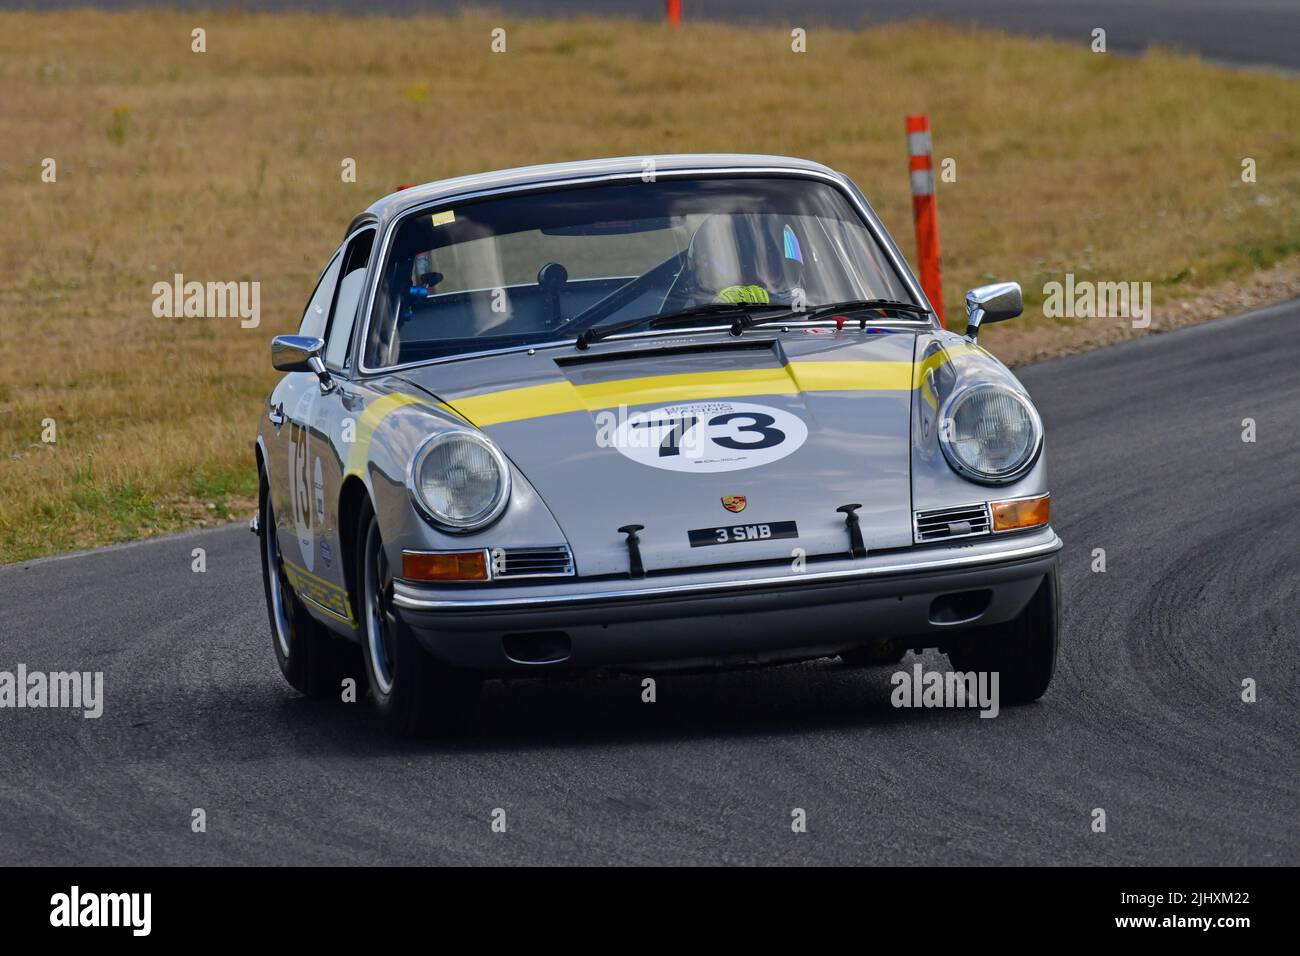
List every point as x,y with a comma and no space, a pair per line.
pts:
1145,719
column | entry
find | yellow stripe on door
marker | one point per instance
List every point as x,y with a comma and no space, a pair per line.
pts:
366,425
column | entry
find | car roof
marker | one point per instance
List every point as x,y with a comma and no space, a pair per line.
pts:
396,203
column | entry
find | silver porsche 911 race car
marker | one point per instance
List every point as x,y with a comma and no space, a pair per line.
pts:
639,414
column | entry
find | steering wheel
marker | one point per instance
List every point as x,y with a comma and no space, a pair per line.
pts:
678,293
624,294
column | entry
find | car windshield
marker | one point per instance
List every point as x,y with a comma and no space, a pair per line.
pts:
543,267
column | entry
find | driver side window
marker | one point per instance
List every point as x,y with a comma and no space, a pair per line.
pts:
343,317
316,315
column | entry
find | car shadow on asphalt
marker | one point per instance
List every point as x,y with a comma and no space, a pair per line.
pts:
775,702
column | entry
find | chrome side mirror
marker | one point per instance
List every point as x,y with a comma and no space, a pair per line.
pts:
301,353
992,303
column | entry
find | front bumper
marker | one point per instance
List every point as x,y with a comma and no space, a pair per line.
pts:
729,618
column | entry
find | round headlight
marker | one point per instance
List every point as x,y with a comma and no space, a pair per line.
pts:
990,433
460,480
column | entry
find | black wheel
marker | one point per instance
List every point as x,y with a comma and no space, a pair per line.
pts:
312,659
878,654
1022,651
415,694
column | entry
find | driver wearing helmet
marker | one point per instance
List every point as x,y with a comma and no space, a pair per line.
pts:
745,258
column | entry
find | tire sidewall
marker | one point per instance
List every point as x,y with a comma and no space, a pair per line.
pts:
427,698
391,705
288,599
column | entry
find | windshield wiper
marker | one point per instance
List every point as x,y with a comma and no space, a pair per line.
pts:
822,311
597,333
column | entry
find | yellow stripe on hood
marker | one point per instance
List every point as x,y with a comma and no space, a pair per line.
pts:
557,398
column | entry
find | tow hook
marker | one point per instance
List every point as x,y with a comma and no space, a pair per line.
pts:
637,569
857,547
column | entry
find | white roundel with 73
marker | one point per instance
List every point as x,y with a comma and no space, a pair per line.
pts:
703,436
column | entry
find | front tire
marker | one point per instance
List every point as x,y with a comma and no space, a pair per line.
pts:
1022,651
414,694
312,659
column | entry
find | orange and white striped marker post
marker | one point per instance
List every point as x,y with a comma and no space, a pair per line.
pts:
925,212
674,10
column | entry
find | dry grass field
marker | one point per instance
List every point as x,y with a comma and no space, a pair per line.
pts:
225,165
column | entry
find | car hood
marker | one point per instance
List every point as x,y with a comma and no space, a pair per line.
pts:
726,450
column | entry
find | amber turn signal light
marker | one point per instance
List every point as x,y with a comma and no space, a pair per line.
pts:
446,566
1025,513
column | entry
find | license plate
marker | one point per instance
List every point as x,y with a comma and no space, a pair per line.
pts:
741,533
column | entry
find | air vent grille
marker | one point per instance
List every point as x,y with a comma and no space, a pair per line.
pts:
548,562
947,523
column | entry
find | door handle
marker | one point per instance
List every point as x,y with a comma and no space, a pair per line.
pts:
275,414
